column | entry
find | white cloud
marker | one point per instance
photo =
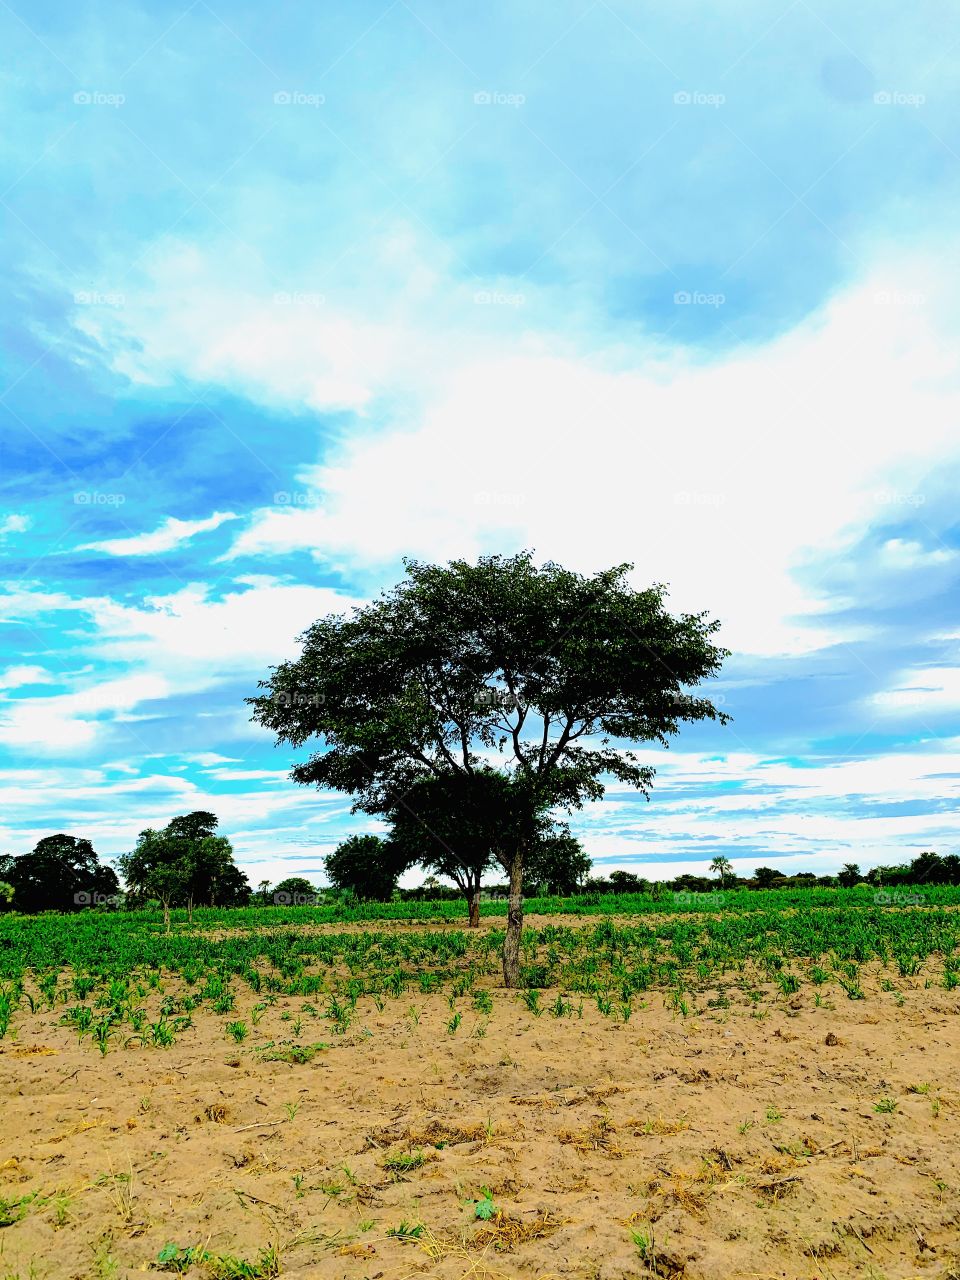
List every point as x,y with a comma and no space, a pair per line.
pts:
16,677
170,534
13,524
69,721
919,691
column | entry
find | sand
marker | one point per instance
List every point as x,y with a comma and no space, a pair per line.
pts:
707,1146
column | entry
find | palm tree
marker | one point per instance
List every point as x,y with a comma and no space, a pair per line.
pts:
723,868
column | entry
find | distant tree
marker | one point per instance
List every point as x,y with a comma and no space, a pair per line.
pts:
557,861
723,868
263,891
292,888
765,876
552,672
184,863
624,882
157,868
62,873
451,825
6,894
369,866
849,875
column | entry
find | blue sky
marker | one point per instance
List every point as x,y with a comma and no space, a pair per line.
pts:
290,293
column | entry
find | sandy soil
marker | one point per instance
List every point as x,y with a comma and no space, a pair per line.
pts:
711,1146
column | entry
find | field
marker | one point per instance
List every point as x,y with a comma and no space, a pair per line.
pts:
758,1084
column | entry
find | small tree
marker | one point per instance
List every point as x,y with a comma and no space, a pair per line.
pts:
292,888
723,868
765,876
546,669
367,866
157,868
557,861
849,875
6,894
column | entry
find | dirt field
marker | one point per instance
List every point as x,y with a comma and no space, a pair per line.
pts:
714,1145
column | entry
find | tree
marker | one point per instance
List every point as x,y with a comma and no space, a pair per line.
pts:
185,863
625,882
292,888
62,873
723,868
157,868
6,894
451,825
557,862
849,875
765,876
553,671
367,865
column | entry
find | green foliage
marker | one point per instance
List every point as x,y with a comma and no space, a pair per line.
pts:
368,866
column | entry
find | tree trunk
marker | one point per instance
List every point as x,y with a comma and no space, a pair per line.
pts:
190,909
166,916
474,922
511,943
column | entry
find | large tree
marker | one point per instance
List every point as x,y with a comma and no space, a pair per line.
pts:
545,673
62,873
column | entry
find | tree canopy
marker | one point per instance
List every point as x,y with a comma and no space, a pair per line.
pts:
62,873
541,673
367,866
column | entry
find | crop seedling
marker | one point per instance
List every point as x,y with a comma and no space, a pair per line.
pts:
238,1030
